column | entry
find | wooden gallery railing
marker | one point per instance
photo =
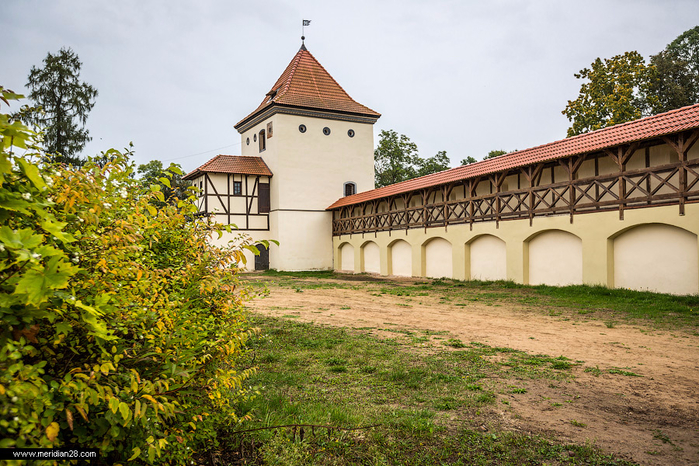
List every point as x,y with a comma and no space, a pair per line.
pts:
672,183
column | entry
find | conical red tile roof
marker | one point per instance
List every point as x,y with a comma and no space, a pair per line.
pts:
306,84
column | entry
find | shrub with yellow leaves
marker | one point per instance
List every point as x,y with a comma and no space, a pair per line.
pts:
121,327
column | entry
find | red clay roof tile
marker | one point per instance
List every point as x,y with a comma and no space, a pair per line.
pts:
240,164
646,128
305,83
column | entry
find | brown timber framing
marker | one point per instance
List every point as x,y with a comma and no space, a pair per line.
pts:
623,189
224,200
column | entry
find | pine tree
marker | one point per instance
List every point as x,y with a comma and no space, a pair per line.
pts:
66,103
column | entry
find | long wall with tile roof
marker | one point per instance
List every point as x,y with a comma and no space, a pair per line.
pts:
617,207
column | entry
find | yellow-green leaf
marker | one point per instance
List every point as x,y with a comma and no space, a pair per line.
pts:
114,404
52,431
124,410
32,172
136,453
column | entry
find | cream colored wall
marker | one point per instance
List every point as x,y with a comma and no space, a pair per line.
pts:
437,259
401,257
371,259
657,257
310,170
488,258
305,241
347,257
596,232
555,258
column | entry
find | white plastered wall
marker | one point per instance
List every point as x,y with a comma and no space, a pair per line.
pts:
347,258
438,259
371,258
555,258
488,258
310,170
655,258
400,249
401,259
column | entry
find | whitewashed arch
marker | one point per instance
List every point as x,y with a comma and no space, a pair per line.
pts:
488,256
401,255
657,257
555,258
371,257
438,258
347,257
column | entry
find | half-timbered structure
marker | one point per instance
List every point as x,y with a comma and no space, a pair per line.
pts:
617,207
234,190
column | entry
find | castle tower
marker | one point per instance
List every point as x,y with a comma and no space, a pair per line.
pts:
306,145
318,142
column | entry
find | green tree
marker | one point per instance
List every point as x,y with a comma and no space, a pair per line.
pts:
437,163
468,160
494,153
674,80
396,159
616,91
173,187
686,49
65,102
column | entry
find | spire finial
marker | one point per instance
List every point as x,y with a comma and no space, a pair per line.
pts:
305,22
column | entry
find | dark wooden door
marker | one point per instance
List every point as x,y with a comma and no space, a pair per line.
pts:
262,260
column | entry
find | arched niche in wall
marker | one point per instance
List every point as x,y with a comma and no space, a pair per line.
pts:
555,258
371,257
656,257
488,258
401,258
438,258
346,258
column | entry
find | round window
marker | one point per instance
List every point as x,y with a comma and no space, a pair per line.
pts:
326,131
350,133
302,128
247,141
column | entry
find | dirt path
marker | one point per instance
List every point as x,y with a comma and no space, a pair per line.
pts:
652,419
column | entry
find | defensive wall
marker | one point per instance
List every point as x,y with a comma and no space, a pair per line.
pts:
618,207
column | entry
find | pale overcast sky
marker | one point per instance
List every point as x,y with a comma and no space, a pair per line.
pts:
463,76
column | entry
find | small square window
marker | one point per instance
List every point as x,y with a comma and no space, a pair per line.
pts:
237,188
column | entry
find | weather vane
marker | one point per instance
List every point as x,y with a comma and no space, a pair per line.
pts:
306,22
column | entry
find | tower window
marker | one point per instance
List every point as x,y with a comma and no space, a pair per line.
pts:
302,128
262,141
350,133
326,131
350,188
263,201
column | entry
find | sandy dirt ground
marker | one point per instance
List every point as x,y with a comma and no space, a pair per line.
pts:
652,419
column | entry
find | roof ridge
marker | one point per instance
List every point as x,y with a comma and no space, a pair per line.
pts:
653,126
294,66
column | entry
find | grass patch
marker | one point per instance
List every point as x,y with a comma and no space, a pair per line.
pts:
410,407
616,370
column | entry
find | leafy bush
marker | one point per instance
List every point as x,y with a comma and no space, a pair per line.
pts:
120,326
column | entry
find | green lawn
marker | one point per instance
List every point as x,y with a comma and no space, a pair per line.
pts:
406,404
